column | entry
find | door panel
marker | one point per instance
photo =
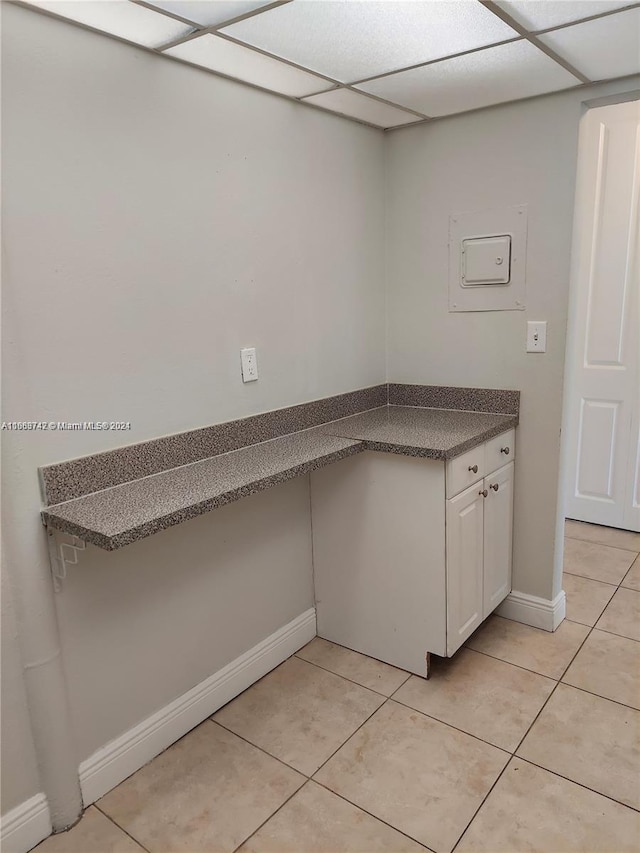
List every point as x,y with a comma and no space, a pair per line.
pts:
596,449
498,537
465,520
603,376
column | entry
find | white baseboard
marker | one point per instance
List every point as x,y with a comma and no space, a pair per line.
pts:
539,612
25,826
111,764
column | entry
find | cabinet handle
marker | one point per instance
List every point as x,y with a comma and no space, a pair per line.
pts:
473,468
483,492
504,450
495,486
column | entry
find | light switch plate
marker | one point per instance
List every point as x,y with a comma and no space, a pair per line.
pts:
537,336
249,363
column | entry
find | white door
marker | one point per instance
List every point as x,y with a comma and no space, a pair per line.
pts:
603,378
498,537
464,565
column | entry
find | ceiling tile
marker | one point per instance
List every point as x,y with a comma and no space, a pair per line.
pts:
351,104
241,62
601,49
538,15
209,13
119,18
491,76
353,39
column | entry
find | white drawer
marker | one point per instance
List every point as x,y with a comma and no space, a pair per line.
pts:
499,450
465,470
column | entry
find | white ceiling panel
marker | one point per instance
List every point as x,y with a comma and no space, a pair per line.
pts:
491,76
120,18
540,14
349,103
601,49
353,39
208,13
235,60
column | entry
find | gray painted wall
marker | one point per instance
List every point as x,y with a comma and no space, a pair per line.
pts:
513,154
156,220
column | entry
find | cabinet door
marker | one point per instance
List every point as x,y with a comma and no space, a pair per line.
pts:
464,565
498,537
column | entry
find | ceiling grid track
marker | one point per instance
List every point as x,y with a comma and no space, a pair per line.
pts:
257,44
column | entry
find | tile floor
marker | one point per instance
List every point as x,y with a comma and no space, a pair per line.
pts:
525,741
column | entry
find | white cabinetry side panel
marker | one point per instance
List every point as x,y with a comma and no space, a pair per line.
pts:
498,537
379,556
465,534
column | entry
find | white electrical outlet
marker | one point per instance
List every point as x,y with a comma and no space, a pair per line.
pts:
537,336
249,362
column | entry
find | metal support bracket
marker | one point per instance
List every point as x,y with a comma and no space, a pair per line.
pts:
61,555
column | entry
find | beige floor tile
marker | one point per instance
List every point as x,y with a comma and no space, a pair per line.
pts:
208,792
622,615
632,578
95,833
603,535
586,599
540,651
535,811
299,713
317,821
417,774
609,666
598,562
366,671
589,740
481,695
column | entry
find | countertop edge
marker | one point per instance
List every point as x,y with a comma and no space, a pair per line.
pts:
127,537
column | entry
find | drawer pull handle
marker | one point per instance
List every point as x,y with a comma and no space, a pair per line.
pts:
473,468
483,492
495,486
504,450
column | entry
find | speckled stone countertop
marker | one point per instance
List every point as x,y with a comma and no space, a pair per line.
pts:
430,433
123,513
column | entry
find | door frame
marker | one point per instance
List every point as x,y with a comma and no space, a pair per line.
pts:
570,346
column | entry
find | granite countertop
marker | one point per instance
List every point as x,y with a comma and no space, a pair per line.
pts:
430,433
122,514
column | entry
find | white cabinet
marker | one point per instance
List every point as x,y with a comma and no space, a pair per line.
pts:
408,555
479,543
465,537
498,537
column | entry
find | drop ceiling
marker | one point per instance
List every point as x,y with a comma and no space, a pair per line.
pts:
387,63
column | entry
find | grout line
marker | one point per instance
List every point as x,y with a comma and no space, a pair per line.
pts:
255,746
353,733
579,784
614,633
599,696
273,814
371,814
350,680
455,728
605,545
484,799
121,828
584,577
519,666
514,754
